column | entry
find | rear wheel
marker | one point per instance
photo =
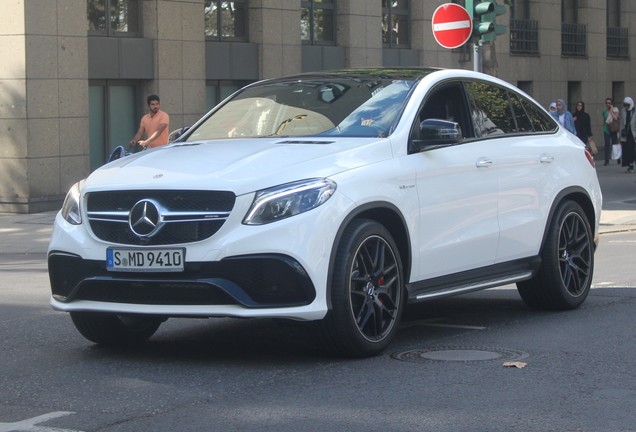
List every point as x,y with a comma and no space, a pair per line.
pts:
567,262
367,292
111,329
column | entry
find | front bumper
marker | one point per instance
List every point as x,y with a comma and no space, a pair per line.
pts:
277,270
251,281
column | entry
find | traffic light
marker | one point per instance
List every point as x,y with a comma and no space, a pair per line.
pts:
484,14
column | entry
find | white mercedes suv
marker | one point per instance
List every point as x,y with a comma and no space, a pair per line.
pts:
334,197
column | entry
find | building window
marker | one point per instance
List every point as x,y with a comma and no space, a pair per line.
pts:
526,86
573,34
318,22
225,20
112,117
617,36
524,32
395,24
217,90
524,37
114,17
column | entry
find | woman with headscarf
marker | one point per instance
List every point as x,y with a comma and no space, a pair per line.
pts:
582,123
611,127
552,110
564,117
628,132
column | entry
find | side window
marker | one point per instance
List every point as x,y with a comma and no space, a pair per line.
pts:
490,109
541,121
447,103
523,122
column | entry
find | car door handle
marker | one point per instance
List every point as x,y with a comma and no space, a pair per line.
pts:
483,163
546,158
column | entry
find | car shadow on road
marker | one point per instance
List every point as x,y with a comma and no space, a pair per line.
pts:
274,340
270,341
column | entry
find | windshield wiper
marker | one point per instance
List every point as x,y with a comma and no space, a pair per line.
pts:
281,127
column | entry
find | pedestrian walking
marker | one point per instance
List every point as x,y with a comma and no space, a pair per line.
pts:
564,117
611,126
628,131
583,126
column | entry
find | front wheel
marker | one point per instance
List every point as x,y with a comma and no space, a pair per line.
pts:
367,291
567,262
111,329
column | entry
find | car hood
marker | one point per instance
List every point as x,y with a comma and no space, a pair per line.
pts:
238,165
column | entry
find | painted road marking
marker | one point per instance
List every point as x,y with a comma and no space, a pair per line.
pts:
31,425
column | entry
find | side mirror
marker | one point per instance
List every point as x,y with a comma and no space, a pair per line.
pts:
434,133
117,153
176,134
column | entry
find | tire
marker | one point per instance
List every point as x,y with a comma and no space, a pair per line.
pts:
367,291
115,330
567,263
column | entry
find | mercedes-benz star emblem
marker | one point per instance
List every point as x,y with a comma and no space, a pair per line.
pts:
145,218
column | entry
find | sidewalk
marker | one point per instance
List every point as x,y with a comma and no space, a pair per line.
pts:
29,233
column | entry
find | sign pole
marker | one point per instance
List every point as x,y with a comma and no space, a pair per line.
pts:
477,64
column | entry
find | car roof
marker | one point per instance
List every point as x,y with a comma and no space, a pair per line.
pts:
397,73
407,73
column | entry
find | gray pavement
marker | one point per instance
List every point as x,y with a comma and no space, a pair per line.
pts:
28,234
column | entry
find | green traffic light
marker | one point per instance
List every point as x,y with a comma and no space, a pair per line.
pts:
485,28
484,14
484,8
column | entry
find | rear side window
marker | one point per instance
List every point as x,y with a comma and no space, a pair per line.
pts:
524,125
490,109
541,121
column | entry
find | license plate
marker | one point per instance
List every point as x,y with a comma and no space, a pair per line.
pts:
145,260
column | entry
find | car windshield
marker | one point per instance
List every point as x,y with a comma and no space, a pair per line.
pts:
357,106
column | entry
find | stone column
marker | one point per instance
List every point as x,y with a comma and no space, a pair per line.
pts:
176,26
360,31
43,102
275,26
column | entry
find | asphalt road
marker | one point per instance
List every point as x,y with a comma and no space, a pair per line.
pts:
444,372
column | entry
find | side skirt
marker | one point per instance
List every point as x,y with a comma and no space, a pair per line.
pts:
473,280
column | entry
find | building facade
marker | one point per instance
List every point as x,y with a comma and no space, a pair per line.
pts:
75,73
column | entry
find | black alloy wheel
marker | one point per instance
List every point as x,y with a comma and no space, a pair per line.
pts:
575,254
565,276
367,292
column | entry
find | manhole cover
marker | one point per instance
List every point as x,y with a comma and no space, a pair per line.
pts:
459,354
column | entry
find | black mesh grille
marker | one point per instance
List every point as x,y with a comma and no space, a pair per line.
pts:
117,231
177,200
173,233
154,293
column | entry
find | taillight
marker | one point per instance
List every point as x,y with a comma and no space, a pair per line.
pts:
590,158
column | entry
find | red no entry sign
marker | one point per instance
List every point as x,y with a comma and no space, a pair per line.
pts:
452,25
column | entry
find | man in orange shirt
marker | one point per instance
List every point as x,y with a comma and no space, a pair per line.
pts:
154,125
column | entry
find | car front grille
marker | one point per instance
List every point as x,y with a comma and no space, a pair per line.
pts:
186,216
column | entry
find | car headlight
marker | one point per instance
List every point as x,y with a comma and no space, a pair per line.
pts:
71,210
290,199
